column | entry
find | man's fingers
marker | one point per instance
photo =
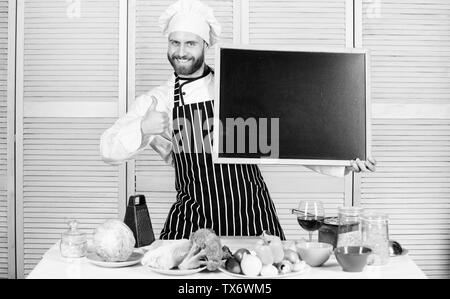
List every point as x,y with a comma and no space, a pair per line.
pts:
361,165
372,160
370,165
354,166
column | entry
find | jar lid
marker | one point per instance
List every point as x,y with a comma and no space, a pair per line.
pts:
331,221
73,234
374,216
351,211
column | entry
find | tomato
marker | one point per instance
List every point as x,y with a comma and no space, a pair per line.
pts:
240,253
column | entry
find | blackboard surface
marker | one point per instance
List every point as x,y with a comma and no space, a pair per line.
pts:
318,97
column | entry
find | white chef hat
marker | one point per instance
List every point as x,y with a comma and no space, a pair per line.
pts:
191,16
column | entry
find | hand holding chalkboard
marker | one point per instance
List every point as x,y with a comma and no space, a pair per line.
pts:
363,166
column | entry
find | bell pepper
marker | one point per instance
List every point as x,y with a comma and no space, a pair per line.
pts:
275,246
264,252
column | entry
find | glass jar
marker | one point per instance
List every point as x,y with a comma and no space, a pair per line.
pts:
375,235
349,226
73,242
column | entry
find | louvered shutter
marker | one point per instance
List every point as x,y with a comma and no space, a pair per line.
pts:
71,88
153,177
6,144
308,24
298,23
410,49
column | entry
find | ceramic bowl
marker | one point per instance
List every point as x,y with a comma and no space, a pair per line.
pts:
352,258
314,254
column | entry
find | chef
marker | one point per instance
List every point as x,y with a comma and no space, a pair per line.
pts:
231,199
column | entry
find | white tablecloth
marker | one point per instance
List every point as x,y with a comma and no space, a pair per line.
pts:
53,266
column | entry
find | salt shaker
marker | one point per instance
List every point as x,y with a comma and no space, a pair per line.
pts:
375,235
73,242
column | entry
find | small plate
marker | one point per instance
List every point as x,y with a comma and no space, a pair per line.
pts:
177,272
303,271
134,259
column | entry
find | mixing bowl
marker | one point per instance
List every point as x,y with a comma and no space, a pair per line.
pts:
314,254
352,258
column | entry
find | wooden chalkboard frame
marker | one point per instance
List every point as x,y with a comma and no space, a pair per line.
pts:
227,160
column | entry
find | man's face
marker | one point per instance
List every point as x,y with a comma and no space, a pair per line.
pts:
186,52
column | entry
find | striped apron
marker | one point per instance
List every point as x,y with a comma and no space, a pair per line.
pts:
231,199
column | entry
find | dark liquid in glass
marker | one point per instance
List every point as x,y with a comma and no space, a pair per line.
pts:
310,223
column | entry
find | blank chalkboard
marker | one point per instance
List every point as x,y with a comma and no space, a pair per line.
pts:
318,99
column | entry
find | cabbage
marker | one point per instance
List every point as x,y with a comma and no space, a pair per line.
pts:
114,241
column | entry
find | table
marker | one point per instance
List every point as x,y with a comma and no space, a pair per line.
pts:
53,266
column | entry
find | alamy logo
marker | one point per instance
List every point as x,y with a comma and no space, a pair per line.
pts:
249,136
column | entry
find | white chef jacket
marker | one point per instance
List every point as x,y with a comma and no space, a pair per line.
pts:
124,139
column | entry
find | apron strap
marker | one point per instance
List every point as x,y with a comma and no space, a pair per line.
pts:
176,92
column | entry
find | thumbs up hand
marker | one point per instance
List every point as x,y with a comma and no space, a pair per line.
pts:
154,122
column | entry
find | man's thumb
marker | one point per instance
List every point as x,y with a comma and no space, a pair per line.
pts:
153,104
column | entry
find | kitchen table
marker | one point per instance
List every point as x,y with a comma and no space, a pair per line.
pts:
53,266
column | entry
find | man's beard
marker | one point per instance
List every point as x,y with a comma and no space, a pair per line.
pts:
193,65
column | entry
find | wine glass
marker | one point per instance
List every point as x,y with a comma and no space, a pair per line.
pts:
310,215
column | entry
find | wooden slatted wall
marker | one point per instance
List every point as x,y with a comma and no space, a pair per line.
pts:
410,47
70,82
298,23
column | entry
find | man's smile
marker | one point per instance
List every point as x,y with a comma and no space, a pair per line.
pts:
182,61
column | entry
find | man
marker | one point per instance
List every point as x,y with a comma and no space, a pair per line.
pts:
232,199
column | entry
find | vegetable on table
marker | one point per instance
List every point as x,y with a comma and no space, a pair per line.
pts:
239,254
285,267
206,251
233,265
276,246
113,241
166,254
264,252
251,265
226,253
291,256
